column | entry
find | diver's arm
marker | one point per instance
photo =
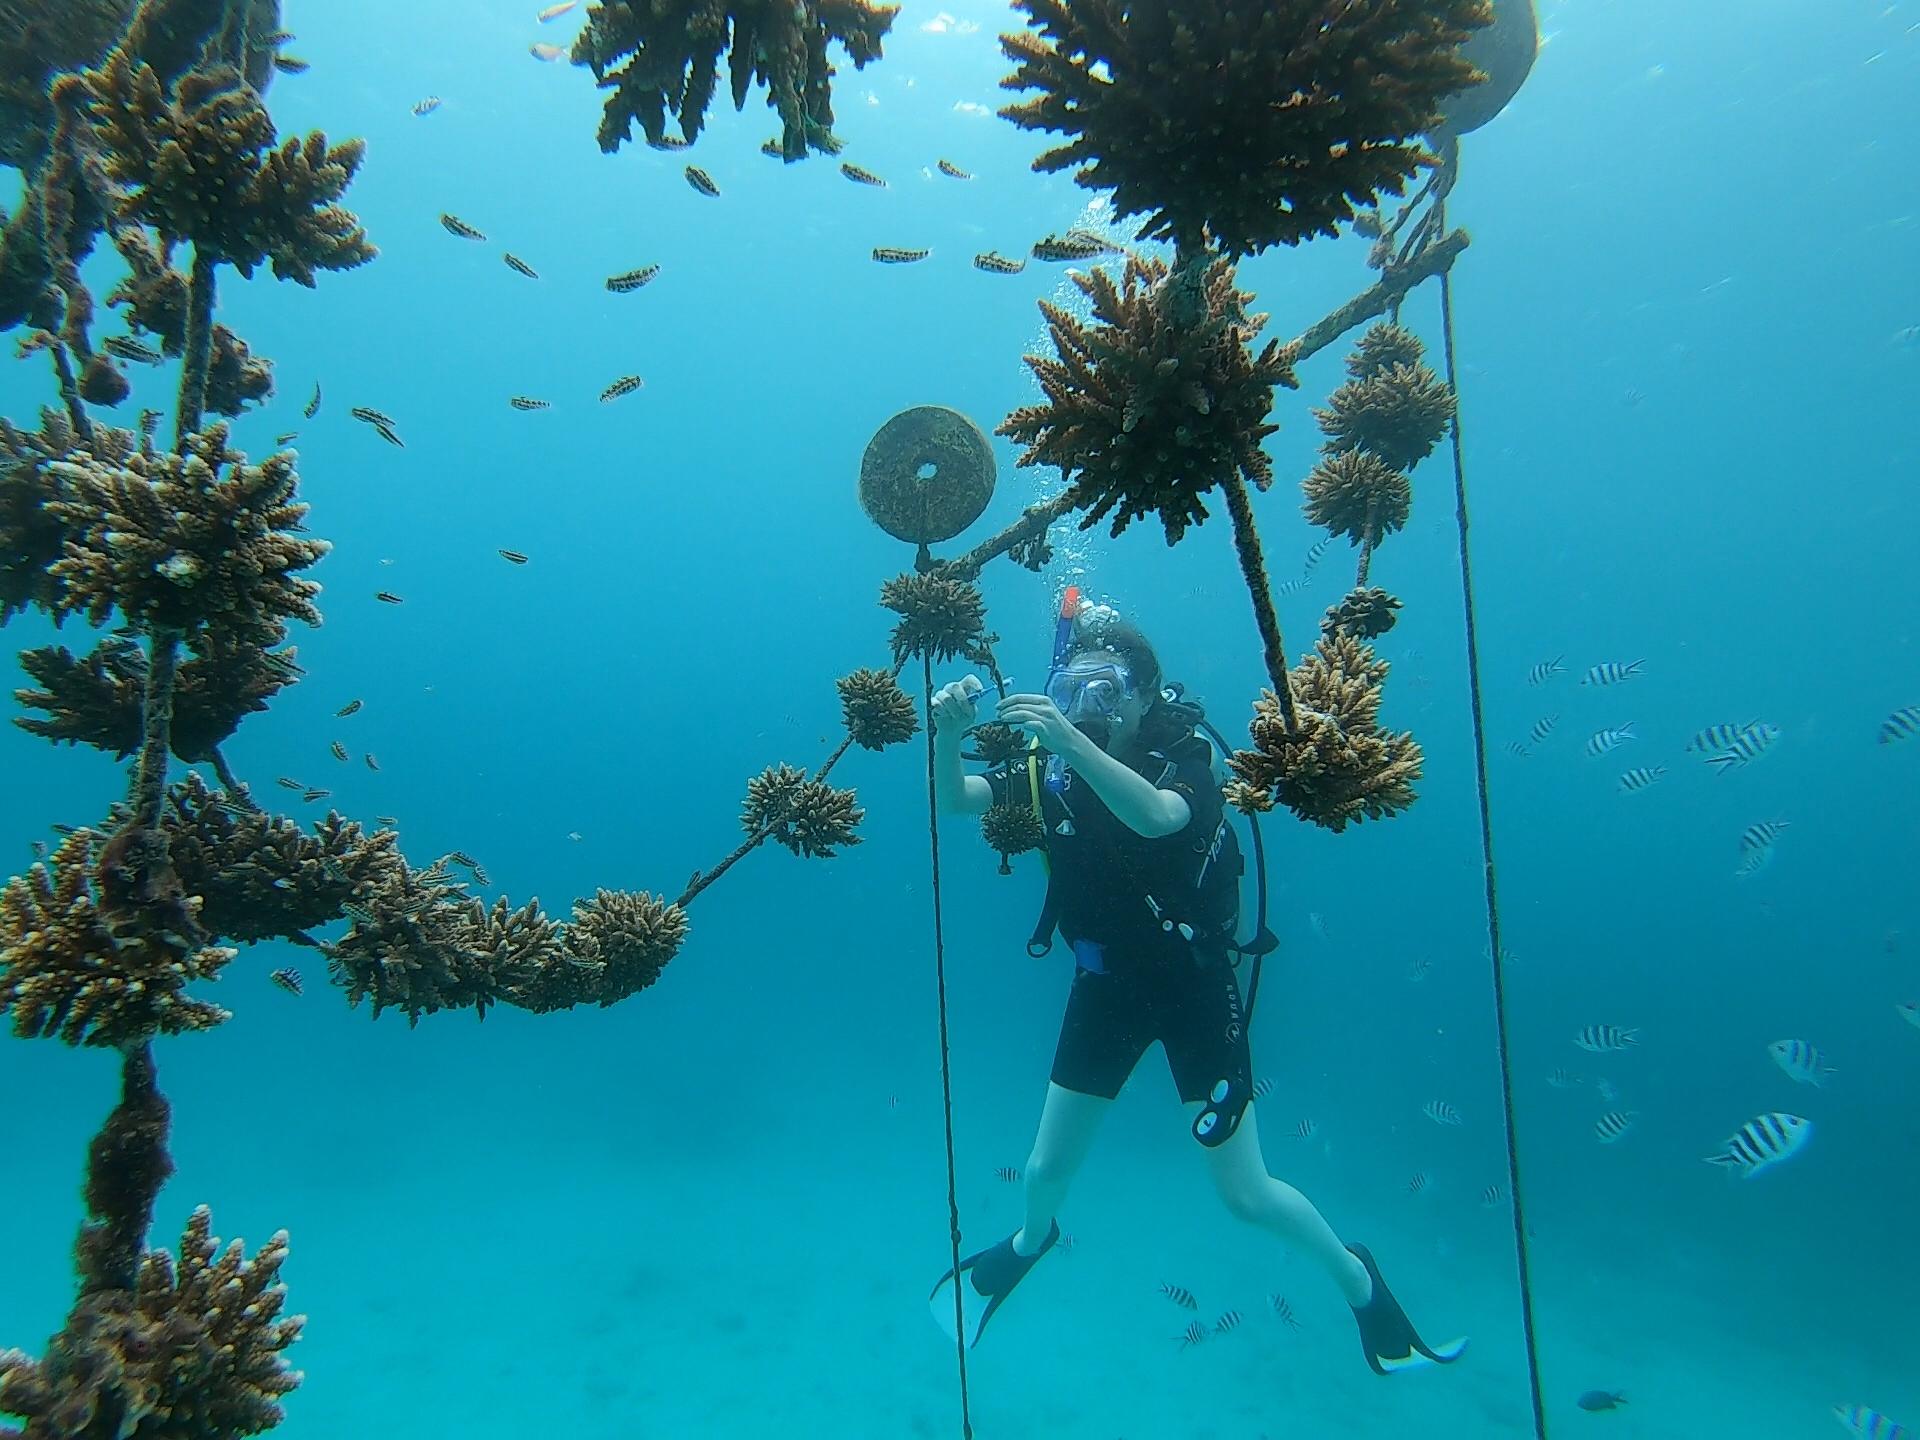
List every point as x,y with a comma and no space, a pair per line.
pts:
954,791
1136,802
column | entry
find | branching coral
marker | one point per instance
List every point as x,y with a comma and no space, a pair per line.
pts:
419,944
877,711
1251,125
178,542
996,744
629,935
941,615
658,56
199,163
1012,829
155,297
194,1351
1149,407
1337,765
809,817
1365,613
1398,413
258,875
102,955
32,538
1357,494
38,40
96,699
1383,346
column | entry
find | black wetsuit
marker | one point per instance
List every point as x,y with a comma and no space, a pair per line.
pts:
1137,977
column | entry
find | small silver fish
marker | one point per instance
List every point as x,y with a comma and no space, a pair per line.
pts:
1612,1126
1602,742
1612,672
1902,724
1605,1039
1763,1142
1749,746
1801,1061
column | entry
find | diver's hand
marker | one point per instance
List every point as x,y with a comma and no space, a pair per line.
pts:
1038,717
953,708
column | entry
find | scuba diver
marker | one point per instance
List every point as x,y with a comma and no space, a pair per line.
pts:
1144,887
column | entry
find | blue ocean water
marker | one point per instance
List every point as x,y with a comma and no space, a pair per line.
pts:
1690,427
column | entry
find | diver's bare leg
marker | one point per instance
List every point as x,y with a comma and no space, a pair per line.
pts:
1239,1172
1068,1123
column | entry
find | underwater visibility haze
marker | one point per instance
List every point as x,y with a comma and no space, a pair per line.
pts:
1114,719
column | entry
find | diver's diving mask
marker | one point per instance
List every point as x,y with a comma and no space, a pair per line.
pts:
1090,689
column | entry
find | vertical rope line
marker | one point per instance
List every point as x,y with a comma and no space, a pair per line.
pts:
1486,856
946,1058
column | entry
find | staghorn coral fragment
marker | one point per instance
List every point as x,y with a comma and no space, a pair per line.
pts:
942,614
102,954
1336,766
259,876
201,163
181,542
629,936
419,944
195,1350
995,743
1012,829
1383,346
1158,398
1250,126
1357,494
32,538
809,817
1398,413
154,298
662,57
877,711
1363,613
38,40
97,699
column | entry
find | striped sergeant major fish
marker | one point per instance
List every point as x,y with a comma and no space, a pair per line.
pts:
1545,670
1801,1061
1751,744
1909,1011
1492,1196
1870,1424
1561,1078
1716,738
1602,742
1194,1334
1902,724
1641,776
1543,727
1613,1125
1227,1322
1441,1113
1762,834
1762,1143
1602,1039
1612,672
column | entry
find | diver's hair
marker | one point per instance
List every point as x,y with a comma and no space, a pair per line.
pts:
1164,723
1126,641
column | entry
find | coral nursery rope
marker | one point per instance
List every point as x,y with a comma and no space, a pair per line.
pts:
1486,855
946,1059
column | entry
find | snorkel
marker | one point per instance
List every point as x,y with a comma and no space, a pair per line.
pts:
1062,648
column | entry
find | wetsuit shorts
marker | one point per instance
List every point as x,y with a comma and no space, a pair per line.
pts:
1191,1007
